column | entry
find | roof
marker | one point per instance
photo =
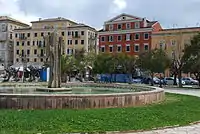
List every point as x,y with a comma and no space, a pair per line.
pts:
52,20
81,25
123,14
7,18
183,28
25,28
151,23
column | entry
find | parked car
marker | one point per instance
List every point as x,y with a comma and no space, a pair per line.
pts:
170,81
190,81
157,81
137,79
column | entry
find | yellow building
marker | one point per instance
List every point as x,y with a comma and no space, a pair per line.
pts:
30,44
173,41
7,25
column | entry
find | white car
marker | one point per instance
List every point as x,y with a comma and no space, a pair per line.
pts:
170,81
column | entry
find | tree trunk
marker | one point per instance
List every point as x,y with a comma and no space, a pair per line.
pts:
180,79
152,82
175,77
160,81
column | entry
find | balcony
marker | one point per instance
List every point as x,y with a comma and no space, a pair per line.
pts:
22,38
76,36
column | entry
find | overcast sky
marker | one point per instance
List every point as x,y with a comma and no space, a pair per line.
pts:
94,12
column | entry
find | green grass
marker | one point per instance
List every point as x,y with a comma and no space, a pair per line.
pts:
177,109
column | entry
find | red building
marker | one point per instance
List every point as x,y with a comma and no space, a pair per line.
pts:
128,34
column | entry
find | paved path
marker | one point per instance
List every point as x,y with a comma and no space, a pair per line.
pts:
193,129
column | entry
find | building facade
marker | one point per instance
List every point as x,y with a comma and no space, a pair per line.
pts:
127,34
7,25
29,44
173,41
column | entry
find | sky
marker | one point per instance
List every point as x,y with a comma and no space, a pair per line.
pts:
170,13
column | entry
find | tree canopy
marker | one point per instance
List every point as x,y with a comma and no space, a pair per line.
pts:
192,57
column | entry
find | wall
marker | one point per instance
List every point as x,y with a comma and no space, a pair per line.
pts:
31,101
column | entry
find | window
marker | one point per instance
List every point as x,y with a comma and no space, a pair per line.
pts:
11,36
173,54
41,60
136,48
28,43
17,60
17,52
82,42
110,48
35,60
146,36
48,33
128,37
17,43
102,49
33,43
42,34
128,48
146,46
28,59
68,42
11,27
82,32
123,18
16,35
35,34
110,27
173,42
28,51
110,38
35,51
119,26
137,24
22,53
128,25
119,48
119,37
162,44
69,33
102,38
76,42
22,43
63,33
28,34
137,36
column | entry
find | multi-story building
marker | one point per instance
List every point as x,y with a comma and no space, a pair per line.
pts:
30,44
128,34
7,25
173,41
81,36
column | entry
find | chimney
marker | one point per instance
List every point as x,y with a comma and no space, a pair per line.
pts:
145,22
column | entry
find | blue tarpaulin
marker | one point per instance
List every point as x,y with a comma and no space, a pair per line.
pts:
43,75
121,78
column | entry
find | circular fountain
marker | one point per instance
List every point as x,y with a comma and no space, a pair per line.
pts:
77,96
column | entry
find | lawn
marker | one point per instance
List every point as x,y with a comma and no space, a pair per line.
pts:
177,109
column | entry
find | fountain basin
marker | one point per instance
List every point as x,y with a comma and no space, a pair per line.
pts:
83,101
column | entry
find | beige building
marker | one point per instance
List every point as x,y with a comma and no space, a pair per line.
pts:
30,44
7,25
173,41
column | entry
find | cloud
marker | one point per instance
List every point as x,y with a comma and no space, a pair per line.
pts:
96,12
10,8
119,5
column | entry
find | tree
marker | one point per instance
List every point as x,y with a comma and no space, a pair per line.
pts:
155,61
191,57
